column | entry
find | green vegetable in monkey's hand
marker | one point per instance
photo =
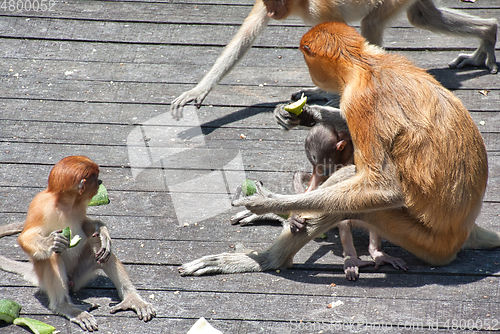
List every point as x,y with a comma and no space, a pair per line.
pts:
297,106
248,187
72,241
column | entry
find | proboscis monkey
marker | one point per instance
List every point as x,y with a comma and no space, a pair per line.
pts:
374,16
54,267
420,168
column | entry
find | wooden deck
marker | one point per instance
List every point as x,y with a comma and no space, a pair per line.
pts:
97,77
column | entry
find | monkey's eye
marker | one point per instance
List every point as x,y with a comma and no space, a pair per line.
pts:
307,50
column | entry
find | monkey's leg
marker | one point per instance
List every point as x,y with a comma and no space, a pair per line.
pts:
54,282
246,217
380,257
351,260
278,256
131,300
252,27
424,14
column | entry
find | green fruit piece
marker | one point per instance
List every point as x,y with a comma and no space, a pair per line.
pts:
322,236
74,241
296,107
66,233
9,310
101,198
36,326
248,187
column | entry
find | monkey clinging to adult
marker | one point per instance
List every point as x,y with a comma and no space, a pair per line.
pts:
374,16
420,168
54,267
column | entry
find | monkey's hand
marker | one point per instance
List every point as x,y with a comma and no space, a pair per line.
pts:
57,242
197,94
134,302
287,120
257,203
351,267
297,223
246,217
103,254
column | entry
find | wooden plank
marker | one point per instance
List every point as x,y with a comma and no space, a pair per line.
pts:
162,94
278,72
175,34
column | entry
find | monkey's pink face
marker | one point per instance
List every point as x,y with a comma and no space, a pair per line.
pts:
276,9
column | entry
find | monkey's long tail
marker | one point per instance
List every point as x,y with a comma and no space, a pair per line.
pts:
24,269
12,228
481,238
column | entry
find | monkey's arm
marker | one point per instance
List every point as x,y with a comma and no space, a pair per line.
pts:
252,27
96,228
310,115
344,192
39,247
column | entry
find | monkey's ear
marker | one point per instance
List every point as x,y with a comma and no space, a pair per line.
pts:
341,145
81,186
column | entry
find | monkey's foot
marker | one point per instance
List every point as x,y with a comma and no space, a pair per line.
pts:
134,302
478,58
352,265
246,217
86,321
381,258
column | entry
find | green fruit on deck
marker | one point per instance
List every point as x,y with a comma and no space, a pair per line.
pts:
36,326
101,198
9,310
297,106
248,187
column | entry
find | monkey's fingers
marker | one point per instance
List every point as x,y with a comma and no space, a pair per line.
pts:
396,262
297,223
478,58
86,321
102,256
143,309
285,119
239,217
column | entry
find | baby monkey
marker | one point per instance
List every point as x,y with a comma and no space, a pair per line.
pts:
54,266
328,150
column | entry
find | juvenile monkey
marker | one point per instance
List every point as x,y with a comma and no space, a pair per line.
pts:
374,16
420,168
54,267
